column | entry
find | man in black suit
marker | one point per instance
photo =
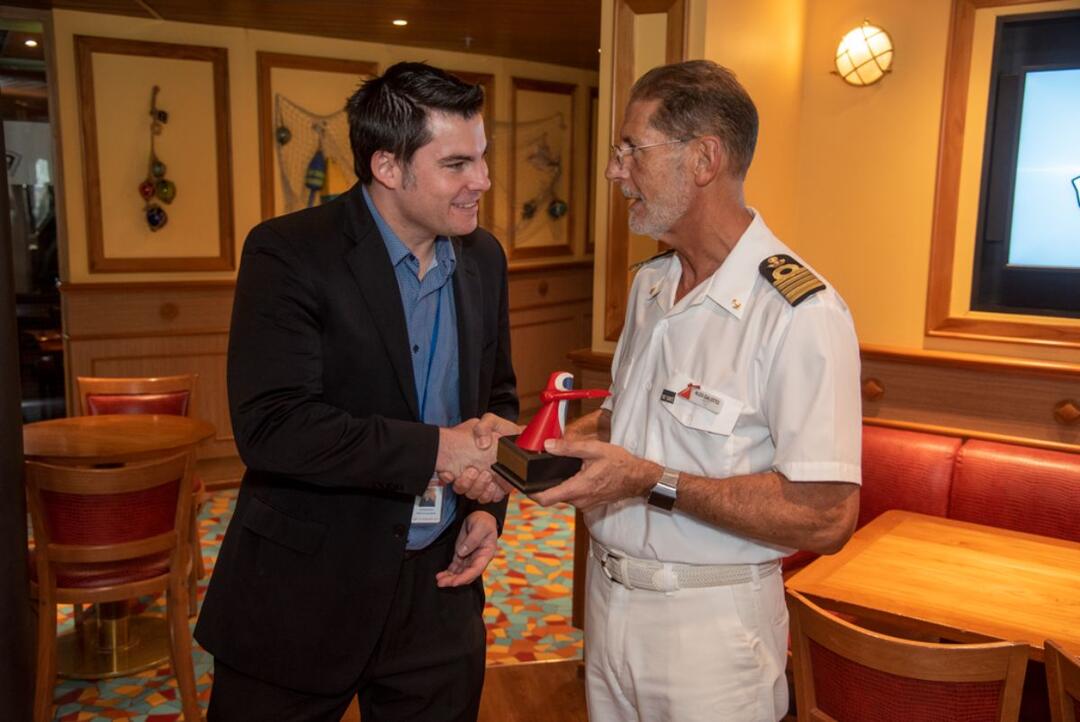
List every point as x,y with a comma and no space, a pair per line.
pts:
368,335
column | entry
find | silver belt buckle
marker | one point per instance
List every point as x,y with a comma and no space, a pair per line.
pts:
604,565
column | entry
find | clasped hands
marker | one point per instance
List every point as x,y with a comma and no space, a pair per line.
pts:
466,453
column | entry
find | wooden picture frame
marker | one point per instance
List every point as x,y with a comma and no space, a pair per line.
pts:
487,82
265,63
562,97
941,321
618,273
216,99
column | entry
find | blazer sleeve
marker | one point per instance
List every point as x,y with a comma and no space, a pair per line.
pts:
280,423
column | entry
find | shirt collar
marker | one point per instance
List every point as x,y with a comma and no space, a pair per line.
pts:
732,285
398,251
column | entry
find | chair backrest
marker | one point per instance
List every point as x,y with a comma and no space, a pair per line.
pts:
1063,681
173,395
844,673
1018,488
94,515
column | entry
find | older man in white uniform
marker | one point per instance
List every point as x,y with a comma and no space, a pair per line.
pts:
732,436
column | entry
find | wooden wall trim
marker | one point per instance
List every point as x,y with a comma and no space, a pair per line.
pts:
586,358
975,362
618,247
601,361
75,289
971,434
939,318
521,270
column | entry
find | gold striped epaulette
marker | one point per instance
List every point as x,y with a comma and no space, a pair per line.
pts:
647,261
794,281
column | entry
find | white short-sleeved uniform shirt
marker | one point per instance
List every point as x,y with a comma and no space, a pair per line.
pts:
730,380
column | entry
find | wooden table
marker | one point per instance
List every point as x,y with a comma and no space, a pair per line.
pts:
111,438
112,643
961,581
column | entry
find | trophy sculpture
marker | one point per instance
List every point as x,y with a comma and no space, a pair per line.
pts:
521,459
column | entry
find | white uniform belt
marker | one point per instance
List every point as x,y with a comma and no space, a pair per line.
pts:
659,576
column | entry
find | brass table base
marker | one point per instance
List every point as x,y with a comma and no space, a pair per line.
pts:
113,647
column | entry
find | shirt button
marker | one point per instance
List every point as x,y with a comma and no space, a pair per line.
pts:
648,386
415,348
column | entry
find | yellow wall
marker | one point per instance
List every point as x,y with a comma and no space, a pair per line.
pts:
762,42
242,45
845,175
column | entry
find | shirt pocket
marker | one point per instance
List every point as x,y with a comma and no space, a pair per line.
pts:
706,409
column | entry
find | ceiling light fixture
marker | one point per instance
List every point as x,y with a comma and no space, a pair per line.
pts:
400,22
30,43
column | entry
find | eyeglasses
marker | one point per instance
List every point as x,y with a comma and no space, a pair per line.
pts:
619,152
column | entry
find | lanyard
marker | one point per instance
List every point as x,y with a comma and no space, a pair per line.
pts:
431,354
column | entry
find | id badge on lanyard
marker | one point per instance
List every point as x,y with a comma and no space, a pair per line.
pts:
427,508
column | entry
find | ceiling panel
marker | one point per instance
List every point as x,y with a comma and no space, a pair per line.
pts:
565,32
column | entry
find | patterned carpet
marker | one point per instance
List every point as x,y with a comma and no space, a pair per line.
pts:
528,614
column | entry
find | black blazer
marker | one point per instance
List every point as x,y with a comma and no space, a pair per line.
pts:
324,412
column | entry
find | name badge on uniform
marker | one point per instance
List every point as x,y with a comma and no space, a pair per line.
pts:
427,508
695,395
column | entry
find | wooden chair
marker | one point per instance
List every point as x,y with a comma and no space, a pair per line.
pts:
1063,681
844,673
173,395
108,535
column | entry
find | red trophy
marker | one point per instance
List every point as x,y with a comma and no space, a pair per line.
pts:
521,459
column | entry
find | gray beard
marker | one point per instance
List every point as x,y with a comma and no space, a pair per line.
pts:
659,219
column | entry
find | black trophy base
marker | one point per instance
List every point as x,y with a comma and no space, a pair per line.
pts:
532,471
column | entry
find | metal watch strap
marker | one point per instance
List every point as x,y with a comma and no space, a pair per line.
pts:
666,490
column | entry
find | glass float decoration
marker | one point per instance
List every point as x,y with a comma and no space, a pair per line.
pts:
156,187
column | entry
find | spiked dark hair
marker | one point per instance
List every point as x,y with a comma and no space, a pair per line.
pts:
390,112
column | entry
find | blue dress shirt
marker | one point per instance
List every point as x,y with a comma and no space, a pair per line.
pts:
435,368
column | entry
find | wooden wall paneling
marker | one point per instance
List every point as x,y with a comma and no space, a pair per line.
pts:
550,315
940,320
265,63
518,252
146,329
85,48
590,176
972,396
618,248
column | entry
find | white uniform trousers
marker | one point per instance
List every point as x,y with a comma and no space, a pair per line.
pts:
715,654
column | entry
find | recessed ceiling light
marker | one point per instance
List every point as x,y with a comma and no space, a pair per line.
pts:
400,22
30,43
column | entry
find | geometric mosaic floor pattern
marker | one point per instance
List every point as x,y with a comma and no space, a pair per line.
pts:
528,587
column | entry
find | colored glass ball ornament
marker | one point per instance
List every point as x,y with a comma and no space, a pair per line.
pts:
157,168
283,135
146,190
156,217
165,190
557,209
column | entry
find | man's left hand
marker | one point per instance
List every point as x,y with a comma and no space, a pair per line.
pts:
476,545
609,473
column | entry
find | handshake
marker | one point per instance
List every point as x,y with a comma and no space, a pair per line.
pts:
466,453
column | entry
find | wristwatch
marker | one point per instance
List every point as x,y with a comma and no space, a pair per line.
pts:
666,490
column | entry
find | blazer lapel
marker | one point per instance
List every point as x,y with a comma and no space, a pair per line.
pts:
370,265
468,302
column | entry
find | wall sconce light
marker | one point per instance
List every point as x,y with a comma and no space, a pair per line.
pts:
864,55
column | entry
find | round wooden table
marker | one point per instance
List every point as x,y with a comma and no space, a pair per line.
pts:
112,642
111,438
